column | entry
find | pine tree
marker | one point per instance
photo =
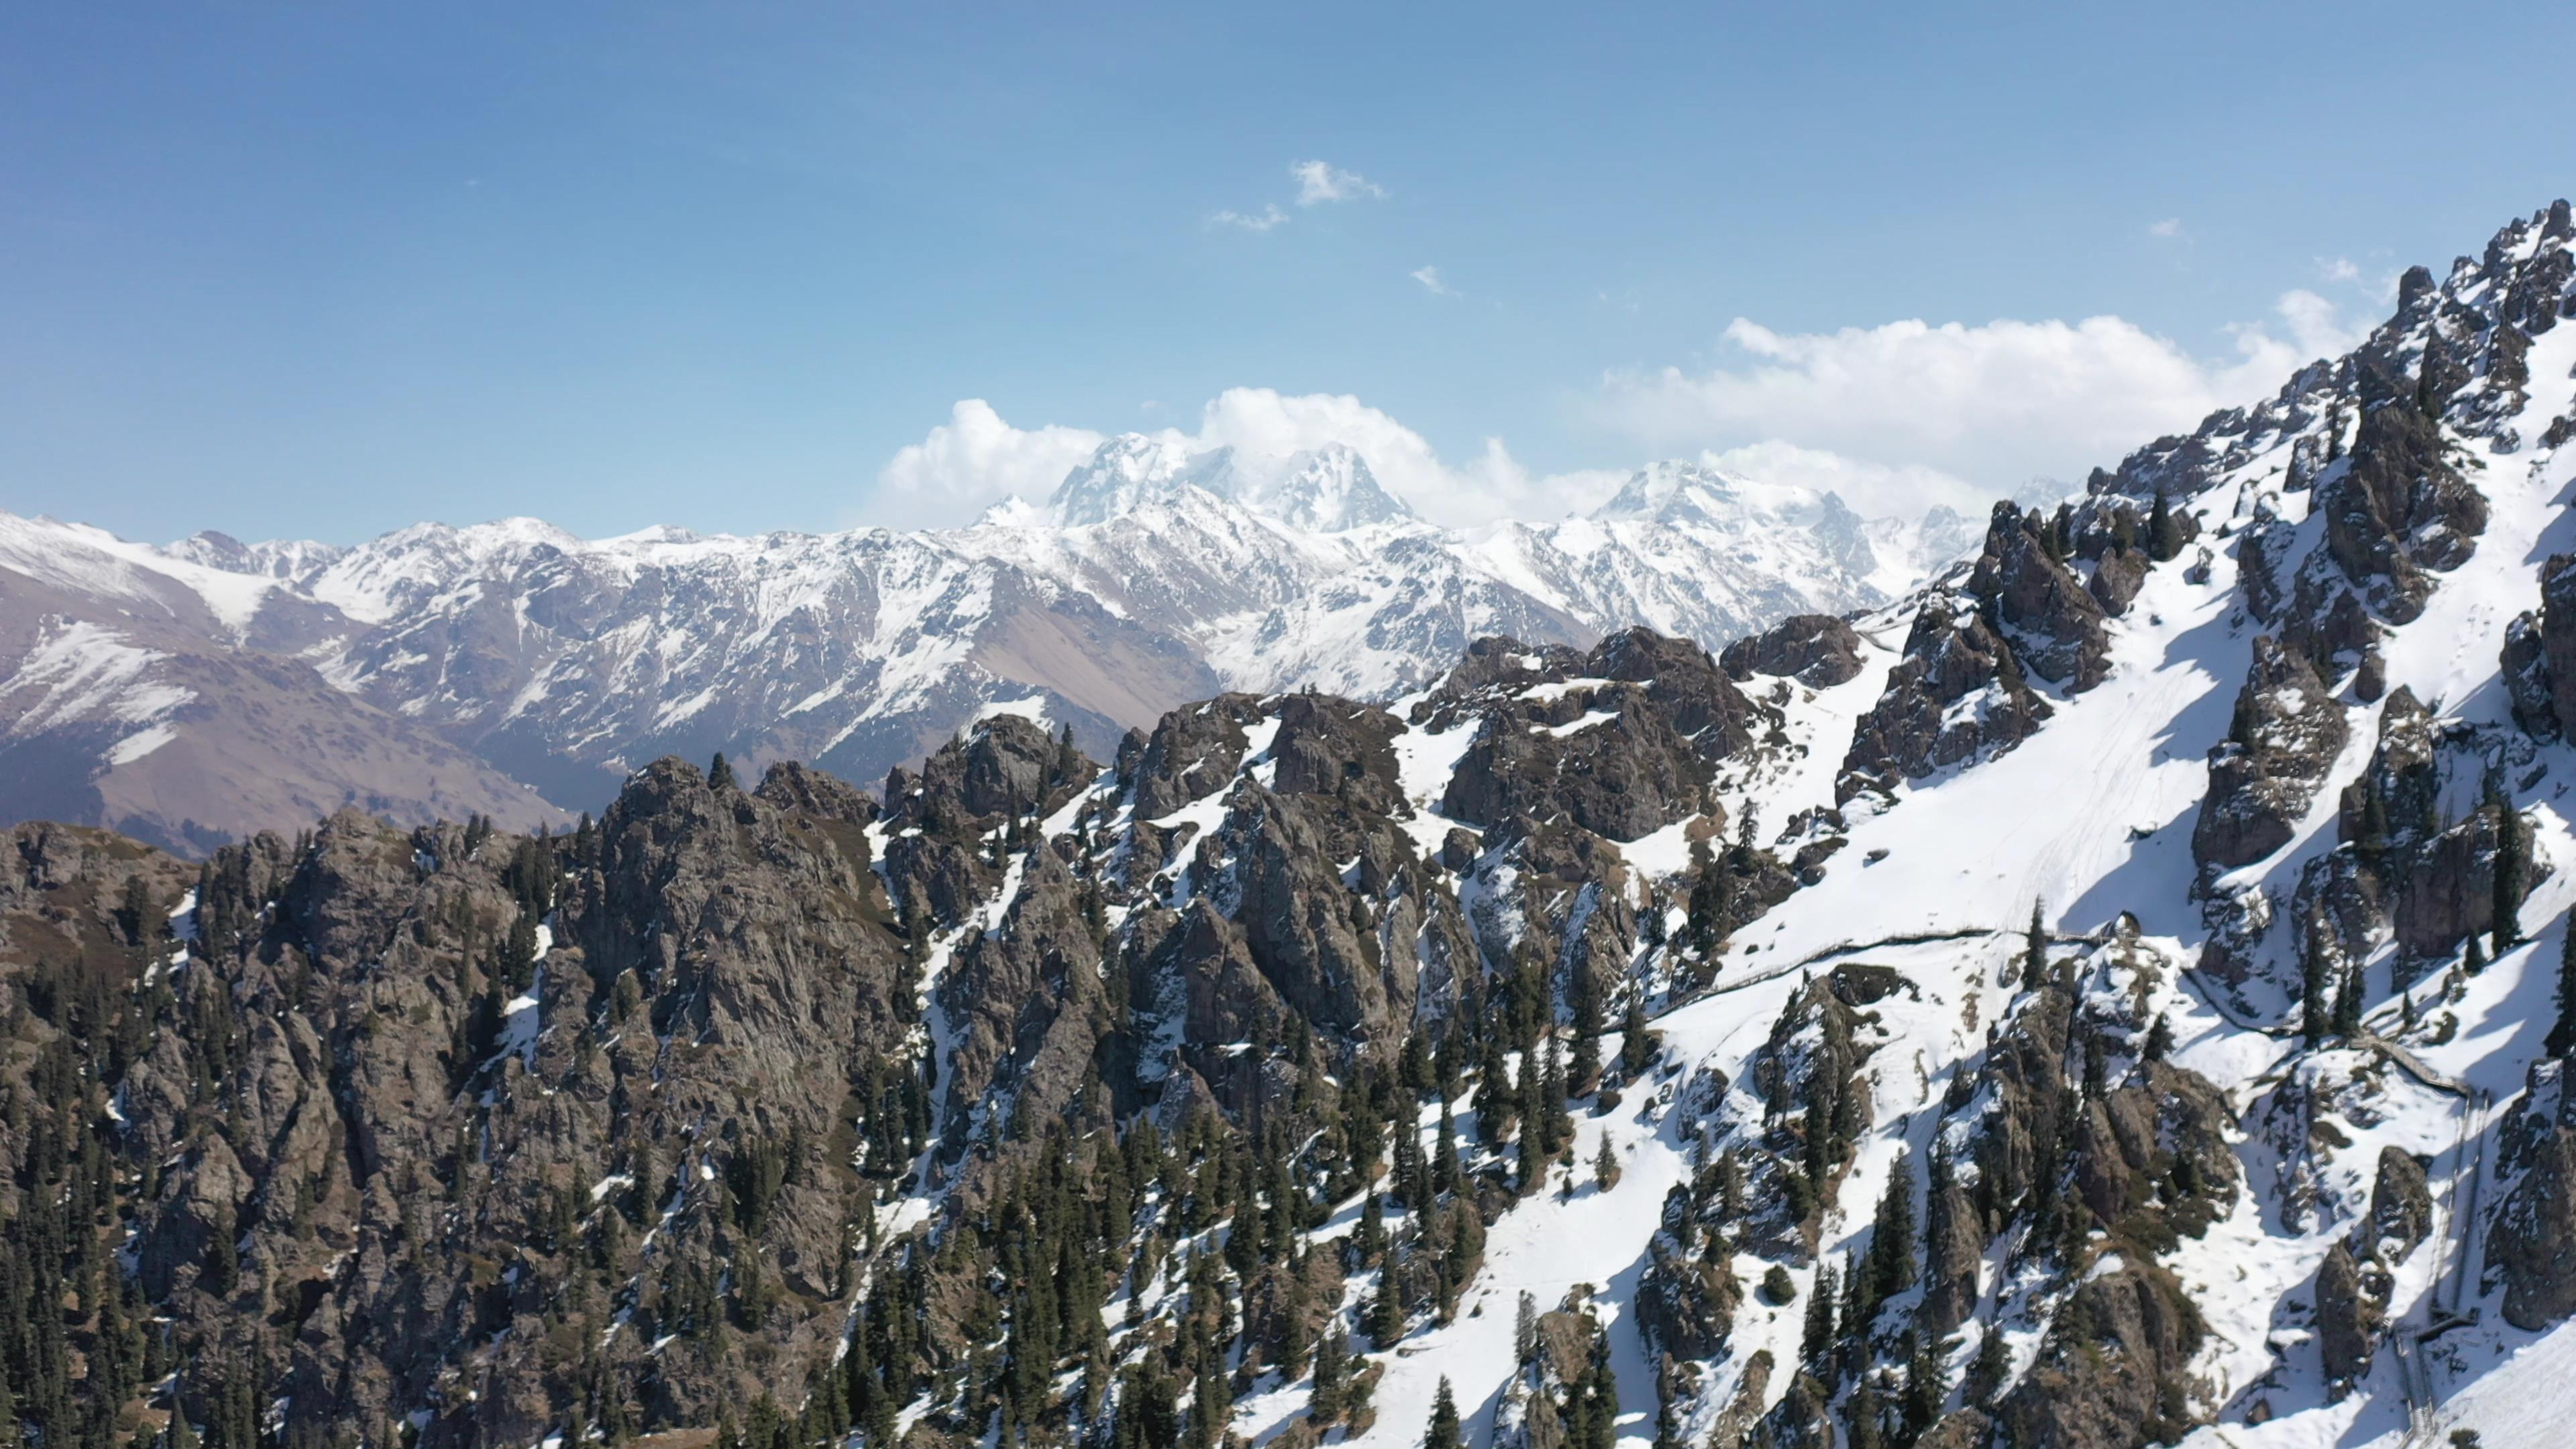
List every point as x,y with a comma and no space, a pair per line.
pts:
1817,1337
2512,855
1370,1237
1927,1382
2160,1040
2034,956
1332,1359
1636,1043
2347,1007
1986,1372
1525,1332
720,773
1711,899
2164,531
1386,1309
1605,1166
1891,1239
1443,1433
1446,1175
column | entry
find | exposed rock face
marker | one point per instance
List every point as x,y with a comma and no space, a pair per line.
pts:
2395,512
1623,747
2285,737
2532,1246
2114,1363
1686,1302
1923,720
2054,621
1954,1245
723,979
2401,1206
2344,1326
2558,636
1815,649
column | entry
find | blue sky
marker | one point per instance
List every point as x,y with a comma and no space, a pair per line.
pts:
324,270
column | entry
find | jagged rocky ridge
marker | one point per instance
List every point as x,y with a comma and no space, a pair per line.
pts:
2109,996
200,692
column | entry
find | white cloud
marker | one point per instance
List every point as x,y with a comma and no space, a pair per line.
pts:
977,459
1319,181
1992,404
2339,269
971,462
2169,229
1429,277
1262,220
1873,490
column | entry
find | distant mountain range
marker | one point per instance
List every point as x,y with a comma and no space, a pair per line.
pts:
193,692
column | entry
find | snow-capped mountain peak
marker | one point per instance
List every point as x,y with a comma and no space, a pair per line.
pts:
1326,490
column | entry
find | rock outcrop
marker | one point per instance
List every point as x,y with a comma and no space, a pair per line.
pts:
2285,736
1815,649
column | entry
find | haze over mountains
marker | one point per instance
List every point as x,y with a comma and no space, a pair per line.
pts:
192,692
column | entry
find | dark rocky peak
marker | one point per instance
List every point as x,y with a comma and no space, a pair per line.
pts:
793,785
1815,649
2396,509
1493,666
2539,655
1620,740
2057,627
1917,726
1326,745
2402,792
1193,750
1683,681
1004,767
2281,742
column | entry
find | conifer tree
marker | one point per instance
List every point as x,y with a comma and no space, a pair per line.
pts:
1816,1338
1605,1166
1891,1239
2512,858
1711,898
2347,1008
1332,1360
1446,1175
1443,1433
720,773
2034,956
1636,1043
2164,531
1986,1372
2160,1040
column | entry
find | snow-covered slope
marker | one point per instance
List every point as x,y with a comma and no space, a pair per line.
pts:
1152,576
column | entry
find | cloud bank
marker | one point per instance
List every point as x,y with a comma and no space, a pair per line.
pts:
1896,418
1991,405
